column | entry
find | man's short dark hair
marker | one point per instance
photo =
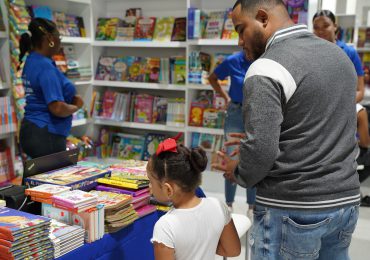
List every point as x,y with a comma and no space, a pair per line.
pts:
251,4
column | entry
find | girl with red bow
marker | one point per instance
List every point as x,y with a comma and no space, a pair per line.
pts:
195,228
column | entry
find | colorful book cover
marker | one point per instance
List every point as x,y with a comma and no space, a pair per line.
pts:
146,210
108,104
46,190
54,213
179,30
160,110
75,198
126,31
163,29
152,70
81,26
207,142
228,32
14,222
86,220
111,200
215,25
210,117
144,109
74,176
101,28
151,144
111,28
196,114
131,192
122,184
104,68
137,67
61,61
145,28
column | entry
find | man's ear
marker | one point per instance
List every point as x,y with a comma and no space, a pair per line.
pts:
262,17
168,189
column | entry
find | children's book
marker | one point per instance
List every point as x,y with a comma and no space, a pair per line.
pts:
136,12
179,30
159,110
146,210
126,31
228,31
145,28
46,190
151,144
75,198
14,222
111,28
131,192
210,117
152,70
47,210
101,28
144,109
207,142
112,200
196,114
108,103
163,29
104,68
137,66
215,25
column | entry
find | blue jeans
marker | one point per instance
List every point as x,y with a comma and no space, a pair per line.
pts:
279,234
234,124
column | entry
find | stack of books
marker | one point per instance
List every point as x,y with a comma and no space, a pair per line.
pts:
24,236
75,176
92,221
119,213
75,201
122,177
44,192
65,238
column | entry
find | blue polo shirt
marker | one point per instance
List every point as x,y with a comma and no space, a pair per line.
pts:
43,84
353,55
235,66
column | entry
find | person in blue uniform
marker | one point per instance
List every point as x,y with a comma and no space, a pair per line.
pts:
51,98
234,66
325,27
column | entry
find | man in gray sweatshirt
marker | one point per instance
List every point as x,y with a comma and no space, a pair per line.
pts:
300,146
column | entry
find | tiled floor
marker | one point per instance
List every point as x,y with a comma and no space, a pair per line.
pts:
360,245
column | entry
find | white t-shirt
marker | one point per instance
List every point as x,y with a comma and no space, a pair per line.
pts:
193,233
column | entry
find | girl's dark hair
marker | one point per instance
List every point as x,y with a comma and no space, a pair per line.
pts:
184,167
38,27
325,13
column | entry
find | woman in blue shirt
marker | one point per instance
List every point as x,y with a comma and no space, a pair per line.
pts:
234,66
50,97
325,27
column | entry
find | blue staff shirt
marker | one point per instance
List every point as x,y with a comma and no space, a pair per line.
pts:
353,55
235,66
44,83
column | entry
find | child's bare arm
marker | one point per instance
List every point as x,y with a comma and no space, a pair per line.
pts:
229,243
162,252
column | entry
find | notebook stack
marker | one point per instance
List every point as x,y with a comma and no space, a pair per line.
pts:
44,192
65,238
75,201
24,236
119,213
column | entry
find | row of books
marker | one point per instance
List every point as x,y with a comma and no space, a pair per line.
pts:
201,64
142,69
139,108
8,119
19,19
211,25
67,24
363,37
345,34
207,110
68,64
132,28
125,146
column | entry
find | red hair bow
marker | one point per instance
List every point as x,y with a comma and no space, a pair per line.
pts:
168,145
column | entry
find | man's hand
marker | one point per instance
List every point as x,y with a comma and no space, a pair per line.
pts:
236,137
227,165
